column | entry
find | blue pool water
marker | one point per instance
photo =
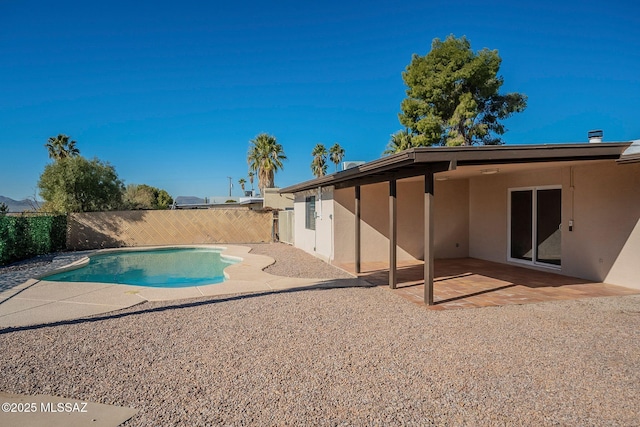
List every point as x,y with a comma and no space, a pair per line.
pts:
161,268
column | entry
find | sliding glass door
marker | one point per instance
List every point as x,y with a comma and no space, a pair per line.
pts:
535,225
522,225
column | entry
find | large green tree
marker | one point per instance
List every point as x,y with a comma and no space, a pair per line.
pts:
75,184
144,196
60,147
163,200
319,162
400,141
453,96
265,158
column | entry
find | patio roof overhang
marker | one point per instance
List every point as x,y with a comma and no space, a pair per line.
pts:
427,162
417,161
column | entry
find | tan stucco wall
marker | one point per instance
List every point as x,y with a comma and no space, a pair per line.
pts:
344,208
605,244
374,228
451,226
604,205
488,208
451,212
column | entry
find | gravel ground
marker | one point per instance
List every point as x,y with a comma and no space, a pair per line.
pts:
19,272
343,356
291,262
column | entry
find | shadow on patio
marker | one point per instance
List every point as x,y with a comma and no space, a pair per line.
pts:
469,282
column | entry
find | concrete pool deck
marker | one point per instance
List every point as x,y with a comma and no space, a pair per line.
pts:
40,301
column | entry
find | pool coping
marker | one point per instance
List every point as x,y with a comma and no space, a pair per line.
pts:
38,301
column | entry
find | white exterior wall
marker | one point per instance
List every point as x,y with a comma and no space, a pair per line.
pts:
318,242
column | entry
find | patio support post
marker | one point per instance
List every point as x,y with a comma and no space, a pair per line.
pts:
428,237
393,232
357,229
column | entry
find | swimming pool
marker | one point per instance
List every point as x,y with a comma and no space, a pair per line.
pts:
158,268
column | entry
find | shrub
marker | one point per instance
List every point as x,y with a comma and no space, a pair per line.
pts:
24,236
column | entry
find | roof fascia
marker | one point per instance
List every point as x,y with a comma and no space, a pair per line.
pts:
390,167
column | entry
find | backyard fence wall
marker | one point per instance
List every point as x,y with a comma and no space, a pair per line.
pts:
96,230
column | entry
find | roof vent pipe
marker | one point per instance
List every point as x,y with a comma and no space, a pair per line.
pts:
595,136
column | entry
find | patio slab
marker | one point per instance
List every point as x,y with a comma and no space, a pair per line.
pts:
470,282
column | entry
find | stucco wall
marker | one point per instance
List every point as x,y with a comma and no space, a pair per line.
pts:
488,208
451,226
603,200
451,211
605,244
374,227
344,208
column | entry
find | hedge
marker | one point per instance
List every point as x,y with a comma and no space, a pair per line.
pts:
23,236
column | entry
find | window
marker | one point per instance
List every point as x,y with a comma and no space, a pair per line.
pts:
534,225
310,213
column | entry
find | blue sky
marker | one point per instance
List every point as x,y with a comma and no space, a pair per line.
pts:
170,93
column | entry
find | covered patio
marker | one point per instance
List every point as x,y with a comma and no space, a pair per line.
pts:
560,210
468,282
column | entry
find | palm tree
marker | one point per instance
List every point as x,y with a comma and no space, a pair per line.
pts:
242,182
60,147
251,175
319,163
336,154
265,159
400,141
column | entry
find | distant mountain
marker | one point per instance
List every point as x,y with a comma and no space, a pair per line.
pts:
188,200
19,205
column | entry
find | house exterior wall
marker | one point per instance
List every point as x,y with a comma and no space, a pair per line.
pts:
273,199
602,199
344,209
451,213
318,242
471,219
488,208
374,227
605,244
451,226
